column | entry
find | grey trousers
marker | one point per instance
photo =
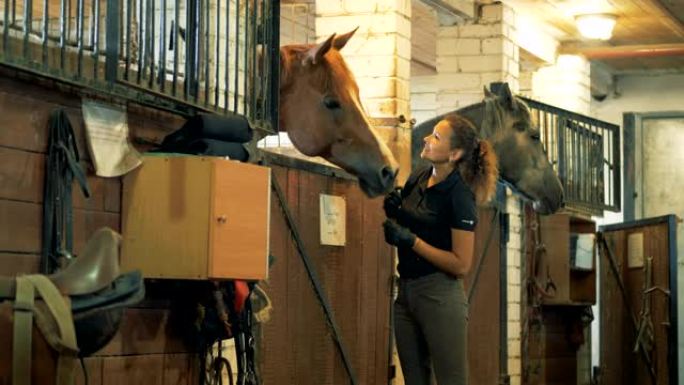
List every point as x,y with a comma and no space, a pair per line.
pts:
430,327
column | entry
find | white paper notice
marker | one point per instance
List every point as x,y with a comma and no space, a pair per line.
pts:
107,134
333,211
635,250
584,254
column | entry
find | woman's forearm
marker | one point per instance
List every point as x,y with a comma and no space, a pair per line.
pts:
448,261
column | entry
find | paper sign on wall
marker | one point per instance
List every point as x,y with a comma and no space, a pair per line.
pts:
333,211
635,250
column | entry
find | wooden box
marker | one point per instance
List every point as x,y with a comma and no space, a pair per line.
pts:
573,285
190,217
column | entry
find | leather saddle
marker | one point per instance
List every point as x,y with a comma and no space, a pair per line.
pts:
87,299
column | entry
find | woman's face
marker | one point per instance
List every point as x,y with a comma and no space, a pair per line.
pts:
437,148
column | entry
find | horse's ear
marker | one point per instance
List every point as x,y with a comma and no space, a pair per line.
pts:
507,97
488,93
341,41
315,54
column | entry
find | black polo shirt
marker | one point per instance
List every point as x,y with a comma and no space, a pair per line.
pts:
431,213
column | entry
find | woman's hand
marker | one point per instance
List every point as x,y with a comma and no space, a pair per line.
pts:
392,203
398,235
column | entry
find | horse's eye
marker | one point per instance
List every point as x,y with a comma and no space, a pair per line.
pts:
521,127
535,137
331,103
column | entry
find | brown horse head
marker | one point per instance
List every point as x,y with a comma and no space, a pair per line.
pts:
506,122
321,111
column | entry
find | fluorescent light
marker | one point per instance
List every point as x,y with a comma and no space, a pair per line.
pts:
596,26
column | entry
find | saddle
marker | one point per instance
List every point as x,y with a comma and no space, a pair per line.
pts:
77,311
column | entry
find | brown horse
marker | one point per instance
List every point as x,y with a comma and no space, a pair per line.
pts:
506,122
321,111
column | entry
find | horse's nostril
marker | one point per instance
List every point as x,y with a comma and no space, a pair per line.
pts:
387,174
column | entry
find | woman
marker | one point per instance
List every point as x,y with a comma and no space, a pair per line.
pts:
432,222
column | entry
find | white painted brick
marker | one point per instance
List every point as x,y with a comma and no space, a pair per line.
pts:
513,275
456,46
372,44
447,64
371,66
514,366
386,107
423,101
514,293
513,329
513,259
513,312
382,87
457,82
490,77
508,14
448,32
481,30
332,7
509,48
513,67
515,379
492,12
493,45
367,23
424,83
483,63
514,243
514,347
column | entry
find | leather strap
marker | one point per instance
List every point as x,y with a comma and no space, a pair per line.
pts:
23,330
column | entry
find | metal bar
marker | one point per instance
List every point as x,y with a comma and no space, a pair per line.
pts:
255,73
28,15
153,37
207,64
246,68
46,17
176,46
562,164
141,41
91,24
5,29
96,39
615,144
188,44
227,60
194,80
274,57
162,47
79,36
129,37
237,55
217,58
112,41
67,9
264,63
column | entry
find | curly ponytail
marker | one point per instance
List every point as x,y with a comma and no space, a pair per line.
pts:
478,165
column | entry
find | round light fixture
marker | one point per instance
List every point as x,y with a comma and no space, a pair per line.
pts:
596,26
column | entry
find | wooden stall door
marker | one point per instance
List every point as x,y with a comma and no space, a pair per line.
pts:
483,311
631,245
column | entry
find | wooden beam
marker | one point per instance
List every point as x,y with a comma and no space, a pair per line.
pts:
625,51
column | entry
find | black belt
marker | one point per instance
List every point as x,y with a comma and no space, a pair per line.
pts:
60,169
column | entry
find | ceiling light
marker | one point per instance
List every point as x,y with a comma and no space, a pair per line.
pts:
596,26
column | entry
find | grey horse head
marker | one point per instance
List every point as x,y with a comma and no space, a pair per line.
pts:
506,122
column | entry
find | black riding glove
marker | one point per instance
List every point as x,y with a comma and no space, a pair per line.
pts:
398,235
392,204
